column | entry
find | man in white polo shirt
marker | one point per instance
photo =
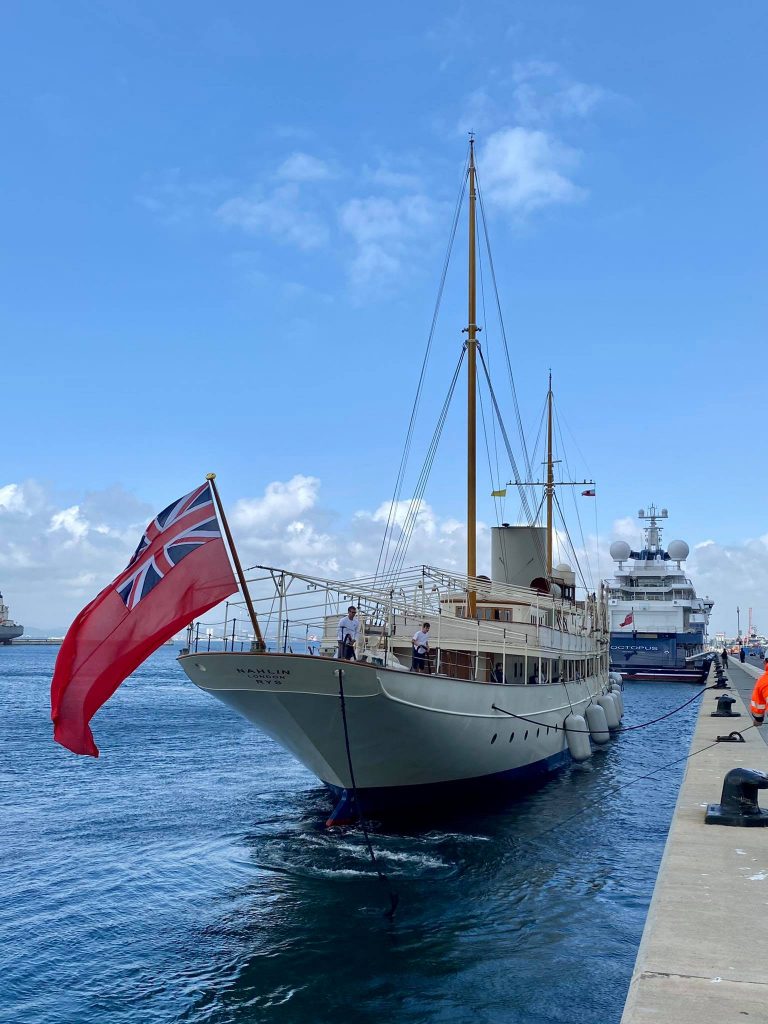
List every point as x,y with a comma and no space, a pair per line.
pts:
349,627
420,643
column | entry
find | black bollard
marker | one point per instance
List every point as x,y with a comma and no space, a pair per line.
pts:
738,801
724,703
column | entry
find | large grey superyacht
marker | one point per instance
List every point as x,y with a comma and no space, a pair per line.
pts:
658,624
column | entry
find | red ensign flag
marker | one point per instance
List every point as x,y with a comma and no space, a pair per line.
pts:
179,570
630,618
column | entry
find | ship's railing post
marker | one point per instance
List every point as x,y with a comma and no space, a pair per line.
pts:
224,630
279,630
477,649
439,621
525,671
504,657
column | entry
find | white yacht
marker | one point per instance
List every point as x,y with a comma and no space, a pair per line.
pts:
517,672
658,624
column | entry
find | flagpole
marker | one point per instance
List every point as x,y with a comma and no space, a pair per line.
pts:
211,478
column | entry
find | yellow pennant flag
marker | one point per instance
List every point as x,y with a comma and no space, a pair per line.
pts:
499,494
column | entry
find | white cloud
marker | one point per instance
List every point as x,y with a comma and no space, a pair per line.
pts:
543,92
524,169
70,521
381,228
281,503
12,498
55,556
281,213
304,167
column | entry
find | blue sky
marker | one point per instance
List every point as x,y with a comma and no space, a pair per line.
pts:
223,230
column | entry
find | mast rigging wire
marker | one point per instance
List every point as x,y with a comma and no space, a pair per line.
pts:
541,551
516,405
391,516
414,507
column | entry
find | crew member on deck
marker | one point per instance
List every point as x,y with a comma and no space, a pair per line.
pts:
349,627
420,643
760,697
497,676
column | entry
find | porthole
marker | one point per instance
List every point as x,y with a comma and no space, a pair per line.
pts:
526,735
537,733
511,737
493,738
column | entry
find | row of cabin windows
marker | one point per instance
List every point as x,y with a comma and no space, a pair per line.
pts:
550,669
501,615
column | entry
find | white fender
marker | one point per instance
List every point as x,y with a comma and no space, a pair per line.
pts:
577,735
598,724
609,706
619,700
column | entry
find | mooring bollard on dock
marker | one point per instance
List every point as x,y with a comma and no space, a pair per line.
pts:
738,801
722,679
724,705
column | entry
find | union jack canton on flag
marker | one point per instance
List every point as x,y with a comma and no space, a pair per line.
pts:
182,528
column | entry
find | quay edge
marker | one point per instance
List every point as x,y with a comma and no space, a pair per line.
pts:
704,950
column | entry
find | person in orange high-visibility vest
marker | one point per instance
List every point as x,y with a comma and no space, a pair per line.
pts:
760,696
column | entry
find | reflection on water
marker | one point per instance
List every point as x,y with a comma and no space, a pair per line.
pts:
186,875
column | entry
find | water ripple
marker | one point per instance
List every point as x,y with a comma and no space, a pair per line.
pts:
186,876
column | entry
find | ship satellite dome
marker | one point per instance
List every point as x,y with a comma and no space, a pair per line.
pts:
562,567
678,550
620,550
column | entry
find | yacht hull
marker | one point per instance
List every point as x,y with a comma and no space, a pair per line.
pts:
407,732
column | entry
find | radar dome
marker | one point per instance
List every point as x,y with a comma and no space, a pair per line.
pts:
678,550
620,550
562,567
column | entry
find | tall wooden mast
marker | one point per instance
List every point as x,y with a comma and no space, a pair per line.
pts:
472,393
550,491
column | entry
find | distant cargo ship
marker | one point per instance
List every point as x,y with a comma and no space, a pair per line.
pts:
8,630
658,624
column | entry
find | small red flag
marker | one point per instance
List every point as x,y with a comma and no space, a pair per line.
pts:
630,618
587,494
179,570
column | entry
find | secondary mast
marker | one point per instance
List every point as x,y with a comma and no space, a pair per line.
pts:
471,330
550,490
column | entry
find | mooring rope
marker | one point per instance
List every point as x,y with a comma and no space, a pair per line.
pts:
394,898
622,728
631,782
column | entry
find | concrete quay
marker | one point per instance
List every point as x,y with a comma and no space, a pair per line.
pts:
704,952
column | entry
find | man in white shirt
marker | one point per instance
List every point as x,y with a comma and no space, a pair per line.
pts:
349,627
420,643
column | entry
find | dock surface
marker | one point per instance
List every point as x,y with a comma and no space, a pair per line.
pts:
704,951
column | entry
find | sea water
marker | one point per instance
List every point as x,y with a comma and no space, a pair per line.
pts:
186,875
